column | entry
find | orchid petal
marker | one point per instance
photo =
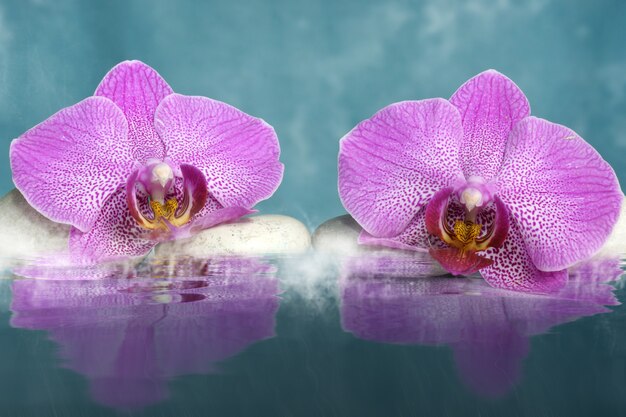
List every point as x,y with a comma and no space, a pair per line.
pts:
393,163
452,261
115,234
137,89
490,105
210,206
237,153
499,224
435,210
415,237
215,218
67,166
195,194
131,199
564,196
227,214
513,268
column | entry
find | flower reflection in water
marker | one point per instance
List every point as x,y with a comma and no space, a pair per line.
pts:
129,336
487,329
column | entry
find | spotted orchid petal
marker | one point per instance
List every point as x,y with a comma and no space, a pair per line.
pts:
564,196
137,89
490,105
391,164
115,234
414,237
237,153
69,165
512,267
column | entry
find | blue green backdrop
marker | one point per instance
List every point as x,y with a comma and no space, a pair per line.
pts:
313,69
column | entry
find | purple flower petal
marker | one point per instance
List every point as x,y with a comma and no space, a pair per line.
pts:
445,207
237,153
500,223
115,234
490,104
453,262
209,220
564,196
209,207
67,166
415,237
391,164
389,242
131,199
435,210
513,268
220,216
137,89
195,193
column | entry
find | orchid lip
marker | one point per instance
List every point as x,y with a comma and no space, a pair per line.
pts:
467,235
166,214
157,179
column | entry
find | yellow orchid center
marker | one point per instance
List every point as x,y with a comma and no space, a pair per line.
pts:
466,231
166,211
469,220
465,234
158,182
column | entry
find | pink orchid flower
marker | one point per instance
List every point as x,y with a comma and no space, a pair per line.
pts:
481,185
136,164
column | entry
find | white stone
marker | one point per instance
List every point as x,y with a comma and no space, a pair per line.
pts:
24,233
337,237
257,235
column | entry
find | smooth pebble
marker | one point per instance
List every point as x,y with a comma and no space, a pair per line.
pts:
269,234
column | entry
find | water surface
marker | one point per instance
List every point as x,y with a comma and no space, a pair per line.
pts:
306,336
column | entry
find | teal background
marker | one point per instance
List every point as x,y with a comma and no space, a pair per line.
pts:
313,69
